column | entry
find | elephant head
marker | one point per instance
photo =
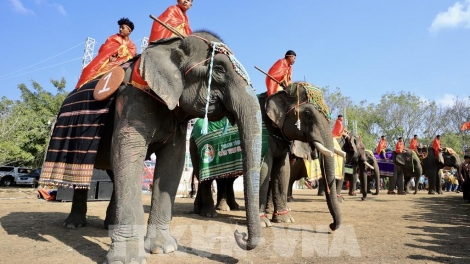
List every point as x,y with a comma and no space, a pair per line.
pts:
451,158
301,114
202,76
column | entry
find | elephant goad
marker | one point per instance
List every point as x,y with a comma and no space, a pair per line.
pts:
154,120
297,113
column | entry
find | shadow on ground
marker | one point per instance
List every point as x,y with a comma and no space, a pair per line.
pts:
452,240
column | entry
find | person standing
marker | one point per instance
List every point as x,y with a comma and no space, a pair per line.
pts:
174,16
281,71
464,171
399,147
117,49
381,147
414,143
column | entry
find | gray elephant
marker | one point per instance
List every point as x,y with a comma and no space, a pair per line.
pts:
407,165
300,104
178,72
431,166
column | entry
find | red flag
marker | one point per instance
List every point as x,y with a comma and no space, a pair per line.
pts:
465,126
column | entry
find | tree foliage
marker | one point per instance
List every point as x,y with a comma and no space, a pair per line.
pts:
26,123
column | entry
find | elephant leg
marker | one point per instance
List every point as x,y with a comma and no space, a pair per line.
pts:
77,216
204,202
280,180
270,204
127,237
339,187
230,193
353,183
400,182
111,210
264,188
222,204
170,164
392,182
321,187
295,175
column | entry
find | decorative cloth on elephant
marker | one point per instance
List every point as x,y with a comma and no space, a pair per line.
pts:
114,45
309,94
176,18
74,143
314,170
220,150
386,165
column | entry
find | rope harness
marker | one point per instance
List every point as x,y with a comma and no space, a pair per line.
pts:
221,48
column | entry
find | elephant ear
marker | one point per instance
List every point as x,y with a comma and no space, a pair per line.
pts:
400,158
302,150
276,107
159,67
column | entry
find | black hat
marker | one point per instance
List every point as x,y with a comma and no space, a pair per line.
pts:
340,116
290,53
466,157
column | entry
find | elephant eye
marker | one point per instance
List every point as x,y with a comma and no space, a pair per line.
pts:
220,69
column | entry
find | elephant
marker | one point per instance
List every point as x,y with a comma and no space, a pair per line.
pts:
300,104
406,165
360,160
195,76
431,166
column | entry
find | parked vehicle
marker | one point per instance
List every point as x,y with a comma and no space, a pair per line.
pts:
10,175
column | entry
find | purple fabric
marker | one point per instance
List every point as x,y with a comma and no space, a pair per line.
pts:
385,165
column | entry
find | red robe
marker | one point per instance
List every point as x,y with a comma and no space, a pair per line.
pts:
280,71
399,147
436,145
338,129
382,145
174,17
115,44
414,144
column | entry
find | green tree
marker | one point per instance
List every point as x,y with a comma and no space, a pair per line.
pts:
26,123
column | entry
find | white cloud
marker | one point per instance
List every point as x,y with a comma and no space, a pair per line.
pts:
58,7
20,8
446,100
457,15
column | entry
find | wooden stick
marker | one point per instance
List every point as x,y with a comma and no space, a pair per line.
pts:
170,28
272,78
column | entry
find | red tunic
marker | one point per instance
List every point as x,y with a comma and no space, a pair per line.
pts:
338,129
381,146
280,71
414,144
174,17
436,145
399,147
114,45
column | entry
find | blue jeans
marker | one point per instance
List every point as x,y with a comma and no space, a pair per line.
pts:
448,186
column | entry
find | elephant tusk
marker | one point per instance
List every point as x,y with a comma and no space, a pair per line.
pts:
368,165
339,152
323,150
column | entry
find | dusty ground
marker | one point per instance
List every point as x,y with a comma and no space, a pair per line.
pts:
383,229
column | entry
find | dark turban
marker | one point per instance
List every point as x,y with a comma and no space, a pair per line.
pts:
290,53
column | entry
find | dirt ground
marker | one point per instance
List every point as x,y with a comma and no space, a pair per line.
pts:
384,229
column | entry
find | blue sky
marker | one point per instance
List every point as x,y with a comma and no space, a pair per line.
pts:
365,47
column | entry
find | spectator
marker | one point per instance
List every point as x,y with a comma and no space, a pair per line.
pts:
455,184
421,186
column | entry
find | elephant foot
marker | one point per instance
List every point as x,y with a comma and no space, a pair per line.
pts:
391,192
208,212
290,199
162,243
283,216
75,220
321,194
431,192
369,192
440,192
401,193
109,221
352,194
363,198
126,252
222,205
265,220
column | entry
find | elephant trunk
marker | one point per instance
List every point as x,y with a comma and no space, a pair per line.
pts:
376,177
249,127
328,169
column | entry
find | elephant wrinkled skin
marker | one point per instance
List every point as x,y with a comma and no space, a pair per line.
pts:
177,71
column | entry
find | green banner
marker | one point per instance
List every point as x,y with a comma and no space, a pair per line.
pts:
220,150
